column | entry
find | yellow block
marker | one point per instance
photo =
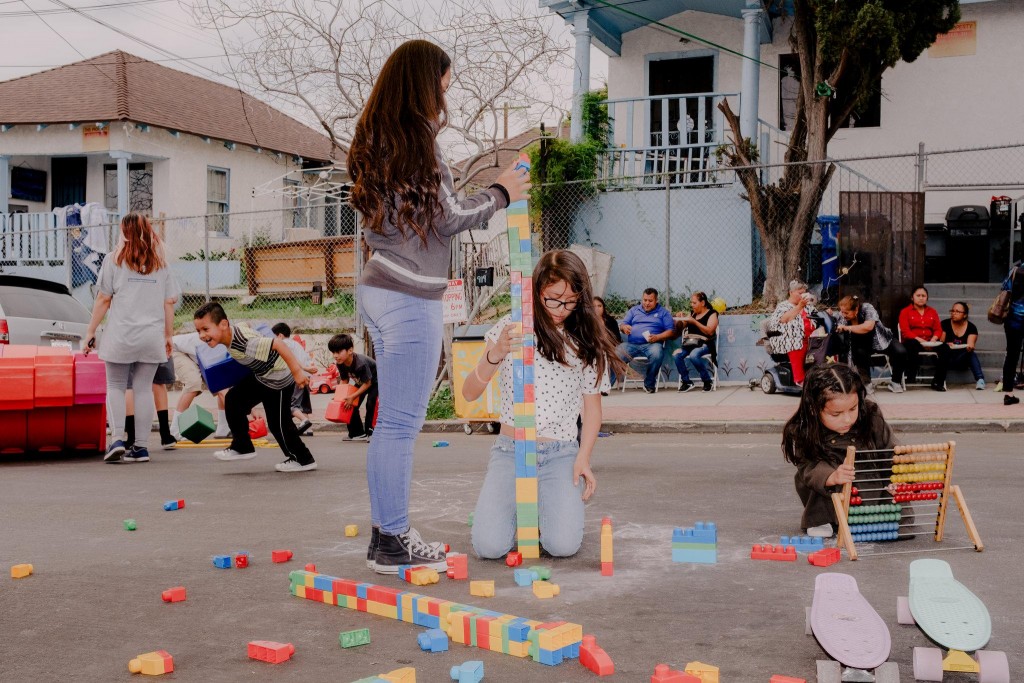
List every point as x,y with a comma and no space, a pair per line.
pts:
606,544
404,675
300,591
530,553
960,662
524,228
481,589
407,614
527,533
531,434
328,598
705,672
546,589
518,649
526,490
352,530
20,571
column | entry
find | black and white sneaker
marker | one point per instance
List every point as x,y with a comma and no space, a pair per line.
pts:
302,428
358,437
685,385
371,552
408,548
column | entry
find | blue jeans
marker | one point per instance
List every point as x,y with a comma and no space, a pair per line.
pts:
695,358
406,333
559,501
652,352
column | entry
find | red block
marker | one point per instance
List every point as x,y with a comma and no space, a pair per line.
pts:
361,604
433,607
825,557
90,380
607,569
514,558
382,595
241,561
483,631
176,594
269,651
280,555
773,552
257,428
310,567
85,427
336,411
595,658
458,567
314,594
46,429
19,381
663,674
13,431
55,378
345,587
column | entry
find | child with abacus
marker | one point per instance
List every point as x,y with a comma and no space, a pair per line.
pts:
834,413
571,353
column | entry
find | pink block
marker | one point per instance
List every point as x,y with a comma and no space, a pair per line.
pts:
90,380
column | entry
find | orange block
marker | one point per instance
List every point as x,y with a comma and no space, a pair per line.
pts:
46,429
19,381
152,663
14,431
85,427
55,378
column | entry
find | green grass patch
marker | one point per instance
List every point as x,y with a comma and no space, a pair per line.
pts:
269,310
442,404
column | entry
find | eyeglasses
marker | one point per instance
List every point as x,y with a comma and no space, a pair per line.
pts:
957,310
555,304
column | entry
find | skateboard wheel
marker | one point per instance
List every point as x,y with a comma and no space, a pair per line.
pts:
829,672
993,667
889,672
903,614
927,664
807,622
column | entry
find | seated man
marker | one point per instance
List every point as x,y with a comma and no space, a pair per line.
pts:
647,325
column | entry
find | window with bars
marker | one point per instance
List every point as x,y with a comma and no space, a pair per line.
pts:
218,193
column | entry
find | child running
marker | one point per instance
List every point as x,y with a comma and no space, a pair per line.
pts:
275,374
572,351
834,413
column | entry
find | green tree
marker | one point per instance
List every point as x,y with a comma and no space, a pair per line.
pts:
843,49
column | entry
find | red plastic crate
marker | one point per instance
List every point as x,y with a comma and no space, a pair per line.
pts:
14,431
46,429
85,428
55,378
19,381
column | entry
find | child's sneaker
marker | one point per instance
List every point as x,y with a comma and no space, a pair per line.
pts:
168,443
231,454
408,548
361,437
304,427
821,531
294,466
136,454
115,452
980,386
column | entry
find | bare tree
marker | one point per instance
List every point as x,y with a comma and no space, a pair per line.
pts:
323,56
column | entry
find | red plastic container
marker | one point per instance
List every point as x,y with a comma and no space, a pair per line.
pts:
336,410
85,428
257,428
46,429
18,370
55,378
13,431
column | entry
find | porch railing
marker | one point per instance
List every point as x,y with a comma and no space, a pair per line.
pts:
674,134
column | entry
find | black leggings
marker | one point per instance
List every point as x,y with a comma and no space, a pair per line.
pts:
277,403
1014,337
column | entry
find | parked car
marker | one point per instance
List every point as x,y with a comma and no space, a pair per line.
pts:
323,383
40,313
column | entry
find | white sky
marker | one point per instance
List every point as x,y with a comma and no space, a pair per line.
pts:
28,45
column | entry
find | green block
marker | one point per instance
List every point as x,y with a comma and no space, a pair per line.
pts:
694,546
543,573
196,423
129,525
531,457
470,519
360,636
526,514
472,631
526,420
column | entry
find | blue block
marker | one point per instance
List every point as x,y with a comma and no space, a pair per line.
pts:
518,630
517,290
220,371
695,556
803,544
528,340
528,374
518,394
433,640
526,246
222,561
517,315
361,590
702,532
519,372
322,582
468,672
170,506
430,621
549,657
520,449
574,651
524,577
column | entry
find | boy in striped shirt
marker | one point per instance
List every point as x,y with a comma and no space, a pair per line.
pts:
275,374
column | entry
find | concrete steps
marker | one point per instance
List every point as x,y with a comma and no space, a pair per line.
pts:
991,347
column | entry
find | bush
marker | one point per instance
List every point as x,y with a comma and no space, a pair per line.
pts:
442,404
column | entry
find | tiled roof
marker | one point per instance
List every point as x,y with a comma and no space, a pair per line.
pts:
508,152
117,86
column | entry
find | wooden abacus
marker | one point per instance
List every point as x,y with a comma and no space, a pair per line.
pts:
921,474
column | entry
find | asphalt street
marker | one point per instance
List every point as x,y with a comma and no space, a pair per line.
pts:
94,602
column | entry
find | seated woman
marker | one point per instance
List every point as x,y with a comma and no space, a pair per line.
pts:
697,341
960,336
859,333
791,326
919,325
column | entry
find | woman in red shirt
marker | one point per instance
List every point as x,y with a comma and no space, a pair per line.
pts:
919,323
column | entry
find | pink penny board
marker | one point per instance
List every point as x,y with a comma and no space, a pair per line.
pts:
845,625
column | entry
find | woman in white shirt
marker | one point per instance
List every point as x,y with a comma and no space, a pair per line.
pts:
569,358
139,291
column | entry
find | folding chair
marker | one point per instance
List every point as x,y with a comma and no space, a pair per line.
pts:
925,353
639,368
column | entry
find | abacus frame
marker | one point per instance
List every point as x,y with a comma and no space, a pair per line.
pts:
841,500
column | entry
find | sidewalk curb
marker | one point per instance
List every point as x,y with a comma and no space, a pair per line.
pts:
728,426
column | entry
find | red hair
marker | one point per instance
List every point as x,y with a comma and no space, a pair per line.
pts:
141,248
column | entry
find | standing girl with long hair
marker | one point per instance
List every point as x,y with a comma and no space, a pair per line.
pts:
139,291
405,194
572,352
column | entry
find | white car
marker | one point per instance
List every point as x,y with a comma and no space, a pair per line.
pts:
38,312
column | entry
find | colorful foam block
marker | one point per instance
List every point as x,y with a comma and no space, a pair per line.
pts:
90,380
220,371
481,589
351,530
803,544
196,423
595,658
354,638
513,559
706,673
468,672
525,577
20,571
458,566
130,525
172,505
433,640
222,561
607,568
152,664
545,589
824,557
664,674
281,555
769,552
176,594
241,560
270,651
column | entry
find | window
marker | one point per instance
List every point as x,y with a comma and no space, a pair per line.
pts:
295,203
140,187
218,192
869,116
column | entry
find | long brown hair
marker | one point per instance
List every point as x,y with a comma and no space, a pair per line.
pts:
391,160
584,329
141,249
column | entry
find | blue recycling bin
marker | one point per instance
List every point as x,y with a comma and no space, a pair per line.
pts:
829,226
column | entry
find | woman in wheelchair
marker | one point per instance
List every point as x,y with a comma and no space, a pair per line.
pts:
789,326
